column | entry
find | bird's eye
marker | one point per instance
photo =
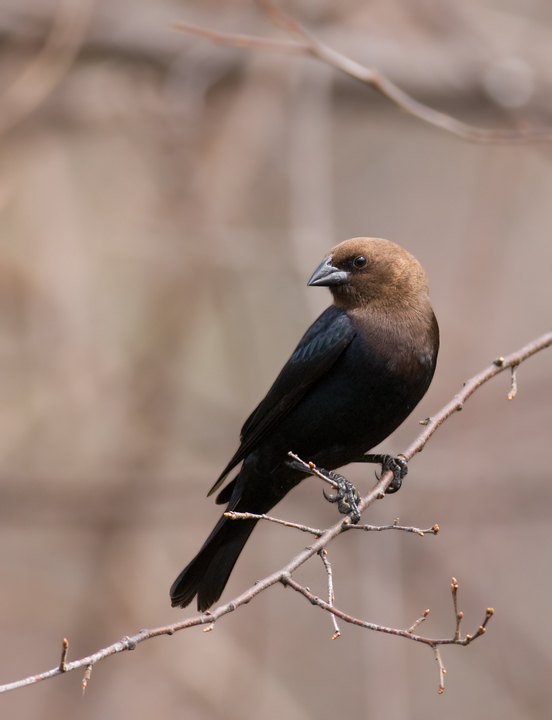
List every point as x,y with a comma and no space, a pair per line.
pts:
360,262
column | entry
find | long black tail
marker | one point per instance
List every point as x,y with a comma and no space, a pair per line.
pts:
206,576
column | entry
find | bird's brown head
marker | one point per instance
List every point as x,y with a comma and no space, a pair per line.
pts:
371,271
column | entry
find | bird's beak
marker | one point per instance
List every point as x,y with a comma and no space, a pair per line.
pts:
327,274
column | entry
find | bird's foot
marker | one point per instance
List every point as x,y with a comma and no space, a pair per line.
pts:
397,464
346,496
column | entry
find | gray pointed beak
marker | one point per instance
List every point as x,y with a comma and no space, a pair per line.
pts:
327,275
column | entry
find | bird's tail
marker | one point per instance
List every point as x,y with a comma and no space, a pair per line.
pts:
207,574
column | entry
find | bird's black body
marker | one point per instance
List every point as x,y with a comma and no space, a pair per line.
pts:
356,374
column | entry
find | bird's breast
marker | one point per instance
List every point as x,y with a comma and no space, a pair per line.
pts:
357,404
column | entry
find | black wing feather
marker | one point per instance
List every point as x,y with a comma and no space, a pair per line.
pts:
317,351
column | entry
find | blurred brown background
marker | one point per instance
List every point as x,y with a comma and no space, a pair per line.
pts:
163,202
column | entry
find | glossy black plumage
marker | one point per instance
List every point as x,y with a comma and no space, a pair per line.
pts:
356,374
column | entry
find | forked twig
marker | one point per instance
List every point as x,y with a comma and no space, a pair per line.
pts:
432,642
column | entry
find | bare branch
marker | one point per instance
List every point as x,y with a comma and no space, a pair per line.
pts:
457,403
309,45
459,615
49,67
331,597
419,621
442,670
251,516
314,600
513,385
395,526
432,642
311,468
244,41
64,649
284,574
86,678
232,515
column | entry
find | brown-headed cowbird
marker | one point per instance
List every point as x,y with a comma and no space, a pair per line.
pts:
357,373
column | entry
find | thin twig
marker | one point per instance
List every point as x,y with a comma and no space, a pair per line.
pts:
86,678
458,615
317,532
284,574
328,568
457,403
244,41
481,629
64,649
309,45
442,670
252,516
419,621
395,526
513,384
432,642
314,600
311,468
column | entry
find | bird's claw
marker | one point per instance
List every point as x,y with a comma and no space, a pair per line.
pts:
397,464
346,497
399,467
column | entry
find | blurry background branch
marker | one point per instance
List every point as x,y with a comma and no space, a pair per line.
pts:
284,576
311,45
49,66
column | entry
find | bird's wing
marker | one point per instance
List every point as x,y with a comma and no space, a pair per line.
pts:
318,350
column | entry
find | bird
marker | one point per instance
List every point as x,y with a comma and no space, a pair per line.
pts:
356,374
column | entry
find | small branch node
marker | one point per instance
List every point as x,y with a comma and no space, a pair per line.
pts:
499,362
459,616
426,421
128,643
285,578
